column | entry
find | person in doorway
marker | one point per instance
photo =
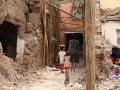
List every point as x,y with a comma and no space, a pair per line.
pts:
61,55
67,62
74,52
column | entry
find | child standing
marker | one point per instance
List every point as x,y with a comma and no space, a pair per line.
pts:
61,55
67,62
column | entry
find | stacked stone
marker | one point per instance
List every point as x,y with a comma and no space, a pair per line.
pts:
34,37
98,30
98,42
103,48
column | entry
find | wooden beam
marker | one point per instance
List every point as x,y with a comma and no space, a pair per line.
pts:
90,43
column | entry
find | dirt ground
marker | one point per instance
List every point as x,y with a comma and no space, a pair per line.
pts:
44,78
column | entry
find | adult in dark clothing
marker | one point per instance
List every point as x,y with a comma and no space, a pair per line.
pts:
74,52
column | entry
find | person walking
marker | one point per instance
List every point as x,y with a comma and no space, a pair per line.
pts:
74,52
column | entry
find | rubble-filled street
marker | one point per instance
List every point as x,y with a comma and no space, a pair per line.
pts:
15,77
59,45
49,79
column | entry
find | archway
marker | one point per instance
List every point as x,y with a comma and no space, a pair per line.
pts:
8,38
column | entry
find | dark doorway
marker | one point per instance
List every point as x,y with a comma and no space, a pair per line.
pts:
8,39
80,37
69,36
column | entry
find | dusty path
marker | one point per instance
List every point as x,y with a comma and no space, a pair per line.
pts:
45,79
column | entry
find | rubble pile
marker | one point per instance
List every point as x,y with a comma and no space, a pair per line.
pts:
8,73
107,61
7,68
104,63
108,84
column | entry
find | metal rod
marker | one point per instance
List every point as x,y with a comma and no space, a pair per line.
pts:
62,10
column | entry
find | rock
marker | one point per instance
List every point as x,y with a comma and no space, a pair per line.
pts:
31,51
7,68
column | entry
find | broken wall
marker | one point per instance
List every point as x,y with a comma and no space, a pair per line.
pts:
34,35
30,29
103,47
13,11
110,29
98,30
7,68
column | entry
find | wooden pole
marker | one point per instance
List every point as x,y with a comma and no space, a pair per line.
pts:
42,26
90,44
45,41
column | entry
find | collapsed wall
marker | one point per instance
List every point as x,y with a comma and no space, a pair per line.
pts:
103,48
12,11
7,69
98,30
26,16
34,35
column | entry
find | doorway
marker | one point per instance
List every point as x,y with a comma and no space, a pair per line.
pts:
80,37
8,39
69,36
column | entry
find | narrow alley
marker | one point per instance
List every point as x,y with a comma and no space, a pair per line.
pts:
59,45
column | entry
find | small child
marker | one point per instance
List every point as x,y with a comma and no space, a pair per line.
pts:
67,62
61,55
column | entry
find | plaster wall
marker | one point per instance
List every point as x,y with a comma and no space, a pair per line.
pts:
109,31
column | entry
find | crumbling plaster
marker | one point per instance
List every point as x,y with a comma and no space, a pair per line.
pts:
13,12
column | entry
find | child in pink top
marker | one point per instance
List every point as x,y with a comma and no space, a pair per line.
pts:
67,62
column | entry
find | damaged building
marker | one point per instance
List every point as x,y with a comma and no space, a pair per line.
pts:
35,32
110,19
20,30
31,32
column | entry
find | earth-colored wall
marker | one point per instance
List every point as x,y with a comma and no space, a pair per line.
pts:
13,11
30,34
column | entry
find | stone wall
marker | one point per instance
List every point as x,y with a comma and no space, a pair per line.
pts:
103,47
30,29
13,11
98,30
34,36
